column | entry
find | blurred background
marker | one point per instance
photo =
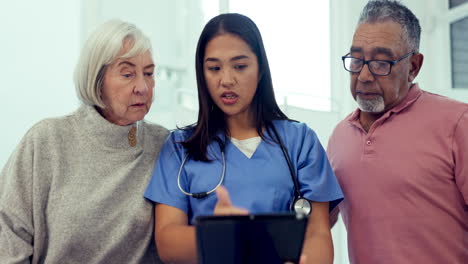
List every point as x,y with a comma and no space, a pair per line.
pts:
40,43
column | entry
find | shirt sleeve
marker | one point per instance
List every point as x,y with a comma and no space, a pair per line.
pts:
16,221
163,187
460,152
316,177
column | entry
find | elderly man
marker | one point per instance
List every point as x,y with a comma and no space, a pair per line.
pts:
402,157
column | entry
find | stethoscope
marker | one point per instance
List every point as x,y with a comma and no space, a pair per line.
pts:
300,205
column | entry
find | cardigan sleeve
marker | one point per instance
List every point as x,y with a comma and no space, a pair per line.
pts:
16,212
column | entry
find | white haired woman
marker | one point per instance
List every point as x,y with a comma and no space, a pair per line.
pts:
72,191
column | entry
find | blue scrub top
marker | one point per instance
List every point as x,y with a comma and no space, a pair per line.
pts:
261,184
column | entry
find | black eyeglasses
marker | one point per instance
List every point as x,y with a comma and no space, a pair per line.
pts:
376,67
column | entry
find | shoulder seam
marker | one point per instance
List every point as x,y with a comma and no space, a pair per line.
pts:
456,126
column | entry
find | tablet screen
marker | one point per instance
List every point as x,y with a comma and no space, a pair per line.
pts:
265,238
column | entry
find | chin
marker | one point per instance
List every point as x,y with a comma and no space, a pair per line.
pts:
136,118
376,105
230,112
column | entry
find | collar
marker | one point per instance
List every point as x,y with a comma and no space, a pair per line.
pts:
101,131
414,93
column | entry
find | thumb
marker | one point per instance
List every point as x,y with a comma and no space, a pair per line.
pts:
223,196
303,259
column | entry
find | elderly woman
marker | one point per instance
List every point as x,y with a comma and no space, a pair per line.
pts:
72,191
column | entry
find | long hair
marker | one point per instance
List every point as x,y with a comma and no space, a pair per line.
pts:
211,120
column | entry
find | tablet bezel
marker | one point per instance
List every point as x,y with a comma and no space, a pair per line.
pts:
283,233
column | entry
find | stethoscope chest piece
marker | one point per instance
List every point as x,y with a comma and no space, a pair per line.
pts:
302,206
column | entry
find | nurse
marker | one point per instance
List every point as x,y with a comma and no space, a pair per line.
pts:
231,161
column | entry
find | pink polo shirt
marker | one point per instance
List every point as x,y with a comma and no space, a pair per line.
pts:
405,182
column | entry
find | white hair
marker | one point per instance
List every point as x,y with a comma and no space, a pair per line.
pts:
393,10
102,48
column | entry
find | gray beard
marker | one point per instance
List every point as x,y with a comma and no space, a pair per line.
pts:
376,105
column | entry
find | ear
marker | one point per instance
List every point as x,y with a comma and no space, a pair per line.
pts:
416,63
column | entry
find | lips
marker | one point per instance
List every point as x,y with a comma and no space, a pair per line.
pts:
138,104
229,98
367,95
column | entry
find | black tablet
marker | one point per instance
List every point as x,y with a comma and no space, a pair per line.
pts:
266,238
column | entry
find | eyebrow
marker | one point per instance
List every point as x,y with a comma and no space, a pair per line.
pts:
127,63
149,66
240,57
355,49
375,51
133,65
386,51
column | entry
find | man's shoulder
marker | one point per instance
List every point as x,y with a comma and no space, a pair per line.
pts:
442,100
440,107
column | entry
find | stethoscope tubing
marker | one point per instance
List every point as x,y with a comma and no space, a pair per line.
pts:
297,193
201,194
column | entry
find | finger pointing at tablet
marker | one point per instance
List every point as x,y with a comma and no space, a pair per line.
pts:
224,205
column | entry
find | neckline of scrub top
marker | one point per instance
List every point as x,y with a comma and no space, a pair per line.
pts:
247,146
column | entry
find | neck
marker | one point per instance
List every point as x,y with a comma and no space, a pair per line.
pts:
108,117
367,119
242,126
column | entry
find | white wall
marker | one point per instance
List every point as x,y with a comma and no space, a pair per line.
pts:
39,44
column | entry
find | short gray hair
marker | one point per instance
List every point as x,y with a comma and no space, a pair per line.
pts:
100,50
384,10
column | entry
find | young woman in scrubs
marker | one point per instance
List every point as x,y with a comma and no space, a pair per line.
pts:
233,144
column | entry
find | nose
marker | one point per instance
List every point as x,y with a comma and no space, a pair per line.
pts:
365,75
227,78
141,85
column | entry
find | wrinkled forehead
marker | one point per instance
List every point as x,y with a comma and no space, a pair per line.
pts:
385,38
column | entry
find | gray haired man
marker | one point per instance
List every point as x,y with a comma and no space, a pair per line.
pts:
400,158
